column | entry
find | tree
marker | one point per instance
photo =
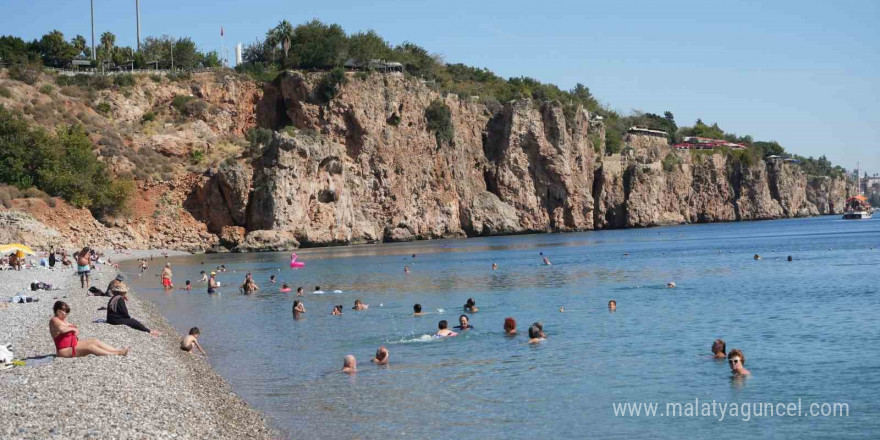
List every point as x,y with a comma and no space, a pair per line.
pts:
107,47
417,60
365,46
282,34
55,50
211,59
316,45
79,44
13,50
186,55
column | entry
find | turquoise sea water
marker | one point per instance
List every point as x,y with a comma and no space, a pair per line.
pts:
809,329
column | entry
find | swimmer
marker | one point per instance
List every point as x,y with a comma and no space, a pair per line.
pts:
188,286
719,349
381,356
757,257
540,328
671,284
443,331
789,258
471,306
337,311
192,340
547,261
561,309
405,269
417,310
272,278
358,305
612,305
464,323
299,291
737,361
298,308
285,288
494,266
204,277
349,364
317,291
535,335
509,326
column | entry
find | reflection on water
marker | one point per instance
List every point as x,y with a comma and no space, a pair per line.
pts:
806,328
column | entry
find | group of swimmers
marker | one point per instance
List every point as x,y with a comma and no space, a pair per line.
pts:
735,359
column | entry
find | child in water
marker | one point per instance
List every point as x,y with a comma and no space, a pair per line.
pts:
188,286
191,341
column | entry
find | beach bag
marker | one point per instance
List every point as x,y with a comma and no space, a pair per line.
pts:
96,291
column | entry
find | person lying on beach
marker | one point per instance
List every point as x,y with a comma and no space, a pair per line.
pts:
117,311
192,340
298,308
66,337
443,331
349,364
471,306
737,361
509,326
337,310
463,323
417,310
719,349
381,356
358,305
535,335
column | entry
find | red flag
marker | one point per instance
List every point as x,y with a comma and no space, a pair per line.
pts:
221,31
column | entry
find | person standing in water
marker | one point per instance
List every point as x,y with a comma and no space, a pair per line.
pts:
381,356
204,277
719,349
298,309
349,364
737,361
166,277
417,310
213,284
612,306
535,335
545,260
509,326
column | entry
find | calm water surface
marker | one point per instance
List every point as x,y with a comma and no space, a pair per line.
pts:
809,329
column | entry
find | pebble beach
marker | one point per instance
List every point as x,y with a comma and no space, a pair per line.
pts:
157,391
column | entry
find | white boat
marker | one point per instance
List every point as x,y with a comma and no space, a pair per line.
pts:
857,215
857,208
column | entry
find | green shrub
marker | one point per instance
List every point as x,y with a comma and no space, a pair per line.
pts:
179,76
258,138
440,121
362,75
330,85
4,92
148,116
27,73
103,108
47,89
156,78
258,72
179,102
124,80
671,162
196,156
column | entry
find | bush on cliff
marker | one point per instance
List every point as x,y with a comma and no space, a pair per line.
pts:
63,165
330,85
440,121
671,162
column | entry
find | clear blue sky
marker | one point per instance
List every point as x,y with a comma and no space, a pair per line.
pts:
804,73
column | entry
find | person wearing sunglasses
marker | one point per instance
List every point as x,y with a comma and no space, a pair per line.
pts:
67,343
737,361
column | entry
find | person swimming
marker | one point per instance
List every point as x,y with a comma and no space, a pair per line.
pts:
494,266
471,306
540,328
719,349
789,258
381,356
405,269
188,286
337,310
285,288
536,335
349,364
464,323
443,331
509,326
317,291
358,305
272,278
671,284
612,305
737,361
757,257
298,309
417,310
299,291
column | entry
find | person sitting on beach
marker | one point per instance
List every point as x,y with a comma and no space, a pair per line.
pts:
318,290
381,356
471,306
443,331
612,305
213,285
119,280
535,334
83,266
299,291
417,310
298,308
737,361
66,337
117,311
719,349
64,259
358,305
204,277
463,323
166,277
509,326
192,340
337,310
349,364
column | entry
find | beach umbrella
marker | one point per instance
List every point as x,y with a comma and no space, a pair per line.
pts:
18,247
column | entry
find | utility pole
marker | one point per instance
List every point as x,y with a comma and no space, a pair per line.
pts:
137,7
94,55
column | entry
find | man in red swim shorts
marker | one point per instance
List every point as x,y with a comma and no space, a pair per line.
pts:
166,277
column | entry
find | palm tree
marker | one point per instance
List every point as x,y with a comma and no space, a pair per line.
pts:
283,33
79,43
108,41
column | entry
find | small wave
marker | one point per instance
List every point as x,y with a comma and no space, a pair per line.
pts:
417,339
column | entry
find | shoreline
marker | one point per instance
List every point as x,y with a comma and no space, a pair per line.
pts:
157,391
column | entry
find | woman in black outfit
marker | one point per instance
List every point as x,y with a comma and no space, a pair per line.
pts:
117,311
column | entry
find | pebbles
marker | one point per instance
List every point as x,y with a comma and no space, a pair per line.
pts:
157,391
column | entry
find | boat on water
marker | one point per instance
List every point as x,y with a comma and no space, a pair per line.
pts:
857,208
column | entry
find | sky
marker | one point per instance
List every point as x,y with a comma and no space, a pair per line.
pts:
804,73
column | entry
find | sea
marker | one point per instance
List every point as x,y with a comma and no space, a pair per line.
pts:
809,330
